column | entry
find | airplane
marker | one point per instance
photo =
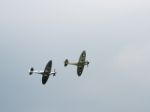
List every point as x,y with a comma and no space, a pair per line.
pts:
80,64
46,73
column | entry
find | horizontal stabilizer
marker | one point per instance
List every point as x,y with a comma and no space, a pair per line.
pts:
66,62
31,71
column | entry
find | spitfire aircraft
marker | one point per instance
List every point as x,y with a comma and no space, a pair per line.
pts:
80,64
46,73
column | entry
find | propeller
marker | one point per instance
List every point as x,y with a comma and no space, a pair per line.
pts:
54,73
87,63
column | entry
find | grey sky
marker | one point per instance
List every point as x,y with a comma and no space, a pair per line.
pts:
115,35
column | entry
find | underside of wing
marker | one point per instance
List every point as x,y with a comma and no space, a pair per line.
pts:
81,62
48,67
80,70
44,79
82,57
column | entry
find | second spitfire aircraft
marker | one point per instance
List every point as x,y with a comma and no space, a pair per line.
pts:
46,73
80,64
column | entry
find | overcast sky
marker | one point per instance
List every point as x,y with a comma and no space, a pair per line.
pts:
115,35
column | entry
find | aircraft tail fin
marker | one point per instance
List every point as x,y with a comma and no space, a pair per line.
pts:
66,62
31,71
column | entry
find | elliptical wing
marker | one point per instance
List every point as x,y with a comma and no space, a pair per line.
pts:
45,78
47,72
48,67
81,62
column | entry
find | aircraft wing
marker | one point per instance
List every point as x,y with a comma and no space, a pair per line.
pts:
45,78
80,70
81,62
48,67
